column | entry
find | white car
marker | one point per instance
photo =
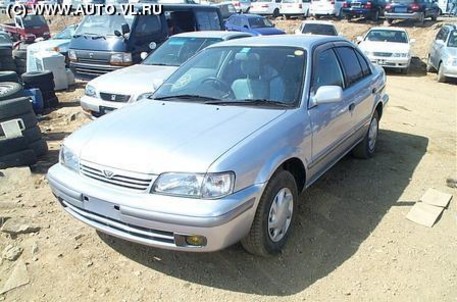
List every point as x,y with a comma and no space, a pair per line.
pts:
127,85
387,46
294,8
266,7
331,8
324,28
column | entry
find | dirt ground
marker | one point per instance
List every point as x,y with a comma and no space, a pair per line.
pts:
352,241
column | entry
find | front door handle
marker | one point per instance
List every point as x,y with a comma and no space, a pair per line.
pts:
351,107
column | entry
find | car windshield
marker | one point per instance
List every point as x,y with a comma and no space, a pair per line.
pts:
395,36
452,39
259,22
177,50
34,20
102,25
319,29
66,34
239,75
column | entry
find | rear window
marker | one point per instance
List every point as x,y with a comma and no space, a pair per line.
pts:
34,20
208,20
319,29
452,39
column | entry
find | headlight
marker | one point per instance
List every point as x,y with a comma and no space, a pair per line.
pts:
72,55
90,91
69,159
144,96
124,58
198,185
451,61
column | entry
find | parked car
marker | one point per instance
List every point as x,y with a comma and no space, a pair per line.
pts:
103,43
27,28
294,8
372,9
317,28
387,46
223,148
329,8
442,56
266,7
254,24
242,6
416,10
58,42
124,86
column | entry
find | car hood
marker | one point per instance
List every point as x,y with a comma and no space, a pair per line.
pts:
267,31
384,47
155,136
133,80
50,45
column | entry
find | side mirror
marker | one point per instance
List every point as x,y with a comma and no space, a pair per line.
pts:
328,94
412,41
143,55
359,39
125,28
117,33
152,45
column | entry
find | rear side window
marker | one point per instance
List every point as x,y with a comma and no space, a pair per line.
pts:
327,71
363,63
207,20
352,69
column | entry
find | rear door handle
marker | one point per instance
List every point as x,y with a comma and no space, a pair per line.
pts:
351,107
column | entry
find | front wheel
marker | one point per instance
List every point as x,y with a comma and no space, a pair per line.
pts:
274,216
366,148
441,78
275,13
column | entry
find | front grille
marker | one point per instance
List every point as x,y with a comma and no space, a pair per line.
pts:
93,61
114,97
90,72
383,54
123,179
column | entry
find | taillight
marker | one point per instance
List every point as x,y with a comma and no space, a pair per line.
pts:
368,5
414,7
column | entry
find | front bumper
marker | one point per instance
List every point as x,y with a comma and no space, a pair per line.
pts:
95,107
322,11
155,220
390,62
403,16
355,12
450,71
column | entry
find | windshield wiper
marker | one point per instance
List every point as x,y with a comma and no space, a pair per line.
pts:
251,102
185,97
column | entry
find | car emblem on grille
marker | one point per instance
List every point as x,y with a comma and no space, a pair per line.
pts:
113,97
91,55
108,174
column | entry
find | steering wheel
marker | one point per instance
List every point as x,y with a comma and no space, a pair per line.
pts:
219,85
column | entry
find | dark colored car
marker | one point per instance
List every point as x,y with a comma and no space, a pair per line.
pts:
372,9
416,10
253,24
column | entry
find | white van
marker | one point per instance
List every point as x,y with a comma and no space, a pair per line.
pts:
294,8
265,7
333,8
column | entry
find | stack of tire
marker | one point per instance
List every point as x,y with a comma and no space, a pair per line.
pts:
43,80
6,59
20,60
23,150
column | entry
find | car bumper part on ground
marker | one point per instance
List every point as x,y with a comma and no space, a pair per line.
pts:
141,218
95,107
412,16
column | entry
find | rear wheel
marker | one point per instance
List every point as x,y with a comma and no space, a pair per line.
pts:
390,21
366,148
375,16
275,13
421,19
274,216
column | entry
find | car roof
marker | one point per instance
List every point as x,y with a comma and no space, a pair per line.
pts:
251,15
225,35
387,28
318,22
300,41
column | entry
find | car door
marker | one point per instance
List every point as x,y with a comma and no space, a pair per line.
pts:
358,91
331,123
437,45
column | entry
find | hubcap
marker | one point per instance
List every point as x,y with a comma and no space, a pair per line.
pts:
280,214
372,134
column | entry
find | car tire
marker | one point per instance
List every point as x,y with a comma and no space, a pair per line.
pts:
264,238
10,90
440,77
390,21
366,148
32,134
20,62
13,145
375,16
429,67
434,17
9,76
40,147
404,71
6,52
275,13
22,158
421,20
39,79
14,107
